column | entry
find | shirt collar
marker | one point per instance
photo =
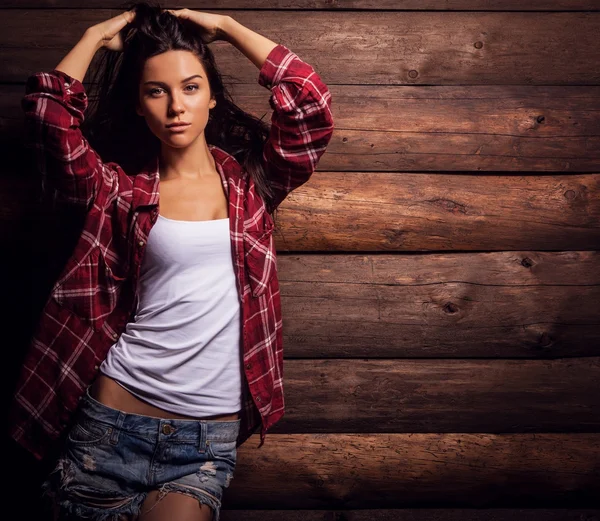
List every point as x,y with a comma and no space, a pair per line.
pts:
145,182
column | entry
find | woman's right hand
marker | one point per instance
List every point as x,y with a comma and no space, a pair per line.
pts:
109,31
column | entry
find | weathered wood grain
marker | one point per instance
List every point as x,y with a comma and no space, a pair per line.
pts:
354,47
333,471
441,395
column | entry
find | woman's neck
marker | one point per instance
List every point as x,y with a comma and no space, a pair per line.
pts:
192,162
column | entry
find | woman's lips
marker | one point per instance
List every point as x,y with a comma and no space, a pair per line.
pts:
178,128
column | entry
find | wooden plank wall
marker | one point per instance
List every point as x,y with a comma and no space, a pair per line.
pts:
439,273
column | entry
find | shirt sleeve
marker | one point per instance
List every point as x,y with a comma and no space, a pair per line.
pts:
301,122
54,106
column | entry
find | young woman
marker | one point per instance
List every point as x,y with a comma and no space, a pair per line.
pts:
159,350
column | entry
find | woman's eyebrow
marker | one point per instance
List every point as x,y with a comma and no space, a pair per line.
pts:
182,81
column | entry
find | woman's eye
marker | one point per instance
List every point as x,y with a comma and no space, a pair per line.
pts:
157,90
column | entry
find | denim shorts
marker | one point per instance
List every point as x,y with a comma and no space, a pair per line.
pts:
112,459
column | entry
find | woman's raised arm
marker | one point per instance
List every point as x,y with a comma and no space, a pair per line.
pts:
301,122
54,106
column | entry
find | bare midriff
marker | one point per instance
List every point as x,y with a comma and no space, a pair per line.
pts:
108,392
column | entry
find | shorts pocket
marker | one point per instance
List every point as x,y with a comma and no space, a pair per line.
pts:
223,450
89,432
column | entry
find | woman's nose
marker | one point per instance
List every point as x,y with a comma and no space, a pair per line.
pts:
176,106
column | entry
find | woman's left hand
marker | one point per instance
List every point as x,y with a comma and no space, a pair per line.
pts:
210,24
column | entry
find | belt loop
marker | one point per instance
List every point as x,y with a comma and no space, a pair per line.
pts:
202,438
114,437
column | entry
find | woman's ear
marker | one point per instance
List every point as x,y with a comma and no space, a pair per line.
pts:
138,110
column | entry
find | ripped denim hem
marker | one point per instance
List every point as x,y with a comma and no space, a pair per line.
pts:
199,494
74,504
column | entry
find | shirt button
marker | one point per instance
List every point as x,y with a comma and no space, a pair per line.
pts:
258,399
96,368
268,85
248,366
115,335
141,243
67,84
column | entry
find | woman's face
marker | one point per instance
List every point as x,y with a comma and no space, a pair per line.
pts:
174,88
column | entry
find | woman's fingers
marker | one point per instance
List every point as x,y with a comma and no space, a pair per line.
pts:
121,21
129,16
124,18
179,13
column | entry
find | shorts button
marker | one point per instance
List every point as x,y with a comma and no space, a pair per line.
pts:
167,429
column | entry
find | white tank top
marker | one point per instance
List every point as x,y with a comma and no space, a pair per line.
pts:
182,352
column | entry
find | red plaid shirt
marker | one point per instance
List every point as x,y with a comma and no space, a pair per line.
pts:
95,296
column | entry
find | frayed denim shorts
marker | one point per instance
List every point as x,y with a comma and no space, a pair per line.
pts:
112,459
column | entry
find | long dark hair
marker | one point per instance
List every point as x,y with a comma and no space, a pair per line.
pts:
119,134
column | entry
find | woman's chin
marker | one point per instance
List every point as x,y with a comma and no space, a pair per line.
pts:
177,140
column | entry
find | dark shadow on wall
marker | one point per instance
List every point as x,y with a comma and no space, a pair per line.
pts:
36,243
